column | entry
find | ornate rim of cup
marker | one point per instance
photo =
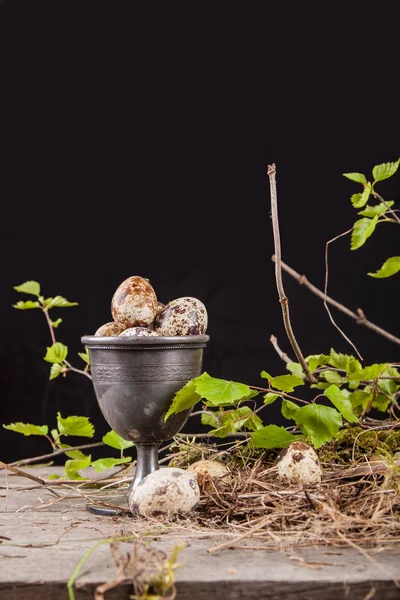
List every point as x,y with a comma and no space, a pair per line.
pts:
141,342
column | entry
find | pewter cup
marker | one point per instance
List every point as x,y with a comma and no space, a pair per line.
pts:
135,380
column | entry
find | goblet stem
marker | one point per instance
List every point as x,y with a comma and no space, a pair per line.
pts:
146,462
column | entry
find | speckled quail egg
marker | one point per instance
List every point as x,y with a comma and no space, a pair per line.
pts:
298,463
167,492
183,316
110,329
209,472
134,303
137,332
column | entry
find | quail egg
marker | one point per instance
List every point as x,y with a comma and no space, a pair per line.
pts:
164,493
209,472
138,332
110,329
134,303
183,316
298,463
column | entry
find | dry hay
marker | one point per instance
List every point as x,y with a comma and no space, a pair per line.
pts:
356,503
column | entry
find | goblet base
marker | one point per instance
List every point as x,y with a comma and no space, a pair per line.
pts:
146,463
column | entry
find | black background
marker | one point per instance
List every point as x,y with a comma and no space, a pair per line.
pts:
135,141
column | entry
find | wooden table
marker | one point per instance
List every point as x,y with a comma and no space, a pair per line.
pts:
41,546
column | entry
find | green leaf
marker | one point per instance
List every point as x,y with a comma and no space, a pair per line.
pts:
357,177
254,423
362,230
220,391
321,385
73,466
316,360
319,423
54,476
332,376
355,199
341,402
360,399
111,438
102,464
55,434
372,372
56,323
76,454
29,287
27,428
387,385
389,268
385,170
56,353
295,369
289,409
85,356
185,398
286,383
376,210
381,403
233,420
58,301
343,361
209,419
272,436
265,375
20,305
55,370
270,398
79,426
360,200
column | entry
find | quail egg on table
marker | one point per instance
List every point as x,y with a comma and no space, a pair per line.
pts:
164,493
298,463
110,329
134,303
138,332
183,316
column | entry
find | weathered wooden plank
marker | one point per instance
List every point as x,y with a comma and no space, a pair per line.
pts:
41,547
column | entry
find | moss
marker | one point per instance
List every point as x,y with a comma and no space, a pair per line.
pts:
356,441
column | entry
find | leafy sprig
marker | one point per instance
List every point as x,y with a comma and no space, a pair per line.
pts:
56,353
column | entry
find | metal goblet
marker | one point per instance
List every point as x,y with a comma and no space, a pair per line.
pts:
135,380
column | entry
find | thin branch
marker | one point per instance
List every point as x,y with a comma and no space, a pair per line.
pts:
81,371
278,275
280,352
360,318
326,290
50,455
53,339
393,212
16,471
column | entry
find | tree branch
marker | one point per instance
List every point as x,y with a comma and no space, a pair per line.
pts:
393,212
284,301
359,317
326,290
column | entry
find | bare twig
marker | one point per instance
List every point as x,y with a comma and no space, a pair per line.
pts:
326,290
280,352
50,455
16,471
278,275
360,318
